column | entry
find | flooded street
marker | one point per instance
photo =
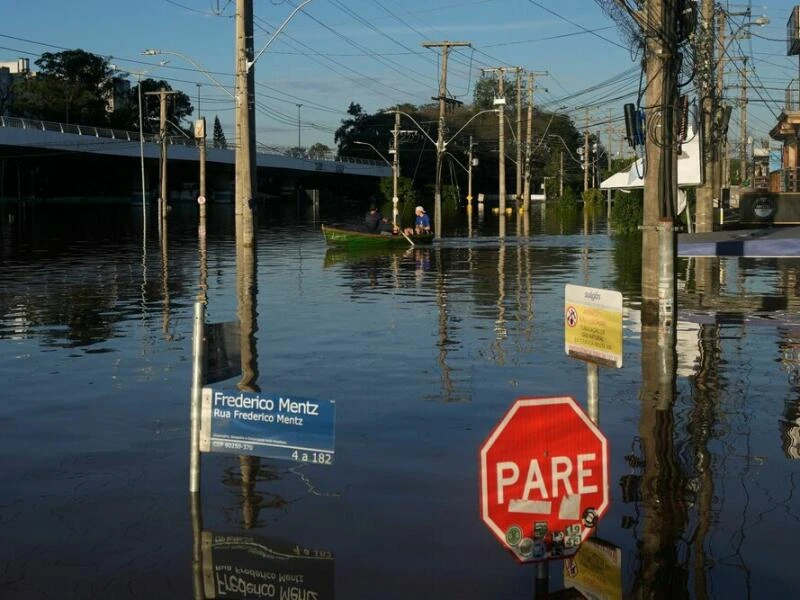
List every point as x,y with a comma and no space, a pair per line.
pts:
423,350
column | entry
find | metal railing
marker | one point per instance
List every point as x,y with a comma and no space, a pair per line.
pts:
133,136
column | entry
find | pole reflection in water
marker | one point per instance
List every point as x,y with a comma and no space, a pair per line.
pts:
500,330
663,485
443,340
164,240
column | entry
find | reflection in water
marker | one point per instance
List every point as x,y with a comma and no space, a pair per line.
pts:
660,572
95,445
500,330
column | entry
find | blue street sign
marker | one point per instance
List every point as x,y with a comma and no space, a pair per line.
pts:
267,424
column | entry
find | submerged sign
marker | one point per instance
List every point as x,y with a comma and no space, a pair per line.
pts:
268,425
593,325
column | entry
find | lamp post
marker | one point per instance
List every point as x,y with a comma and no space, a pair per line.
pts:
299,145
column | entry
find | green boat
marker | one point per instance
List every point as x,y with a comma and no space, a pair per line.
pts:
350,238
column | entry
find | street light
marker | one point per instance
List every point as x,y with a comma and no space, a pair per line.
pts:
299,145
141,136
156,52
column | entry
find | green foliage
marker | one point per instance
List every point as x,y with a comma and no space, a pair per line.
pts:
592,198
318,151
568,200
70,87
219,140
627,212
487,89
405,190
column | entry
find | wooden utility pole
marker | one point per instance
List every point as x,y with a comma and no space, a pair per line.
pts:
163,200
704,209
443,100
245,155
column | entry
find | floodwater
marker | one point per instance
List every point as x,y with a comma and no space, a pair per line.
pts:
423,352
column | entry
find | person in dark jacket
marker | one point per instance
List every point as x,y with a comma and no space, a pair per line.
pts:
374,221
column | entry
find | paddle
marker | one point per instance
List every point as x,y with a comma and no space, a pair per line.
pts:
405,236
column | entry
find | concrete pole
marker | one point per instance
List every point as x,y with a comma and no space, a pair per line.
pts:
722,167
203,198
704,211
561,175
395,167
162,132
437,195
518,170
245,123
526,188
660,186
198,378
469,176
743,124
501,155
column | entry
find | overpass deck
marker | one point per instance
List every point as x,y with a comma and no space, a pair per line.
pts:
48,135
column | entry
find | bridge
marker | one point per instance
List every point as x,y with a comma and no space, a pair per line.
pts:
33,144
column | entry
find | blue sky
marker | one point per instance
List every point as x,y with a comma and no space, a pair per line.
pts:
334,52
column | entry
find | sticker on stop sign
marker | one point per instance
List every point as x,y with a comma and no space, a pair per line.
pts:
544,478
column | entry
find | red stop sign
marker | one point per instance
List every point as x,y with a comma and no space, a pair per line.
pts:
544,478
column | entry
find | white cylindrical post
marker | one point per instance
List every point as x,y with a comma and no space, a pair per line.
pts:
198,377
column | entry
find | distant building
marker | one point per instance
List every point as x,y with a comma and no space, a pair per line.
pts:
10,70
117,97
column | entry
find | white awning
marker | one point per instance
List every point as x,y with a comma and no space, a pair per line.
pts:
689,168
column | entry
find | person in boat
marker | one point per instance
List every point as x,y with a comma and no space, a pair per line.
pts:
374,222
422,223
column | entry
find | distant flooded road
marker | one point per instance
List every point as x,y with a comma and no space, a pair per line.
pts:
423,350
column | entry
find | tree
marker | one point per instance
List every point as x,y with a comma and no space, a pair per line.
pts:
126,115
318,151
219,135
71,86
486,90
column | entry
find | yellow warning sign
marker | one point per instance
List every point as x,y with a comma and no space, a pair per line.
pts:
593,325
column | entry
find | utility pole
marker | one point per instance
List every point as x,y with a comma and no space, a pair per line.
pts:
704,209
743,124
501,142
469,176
299,145
395,166
722,170
162,134
561,174
200,136
526,192
659,22
245,124
585,156
443,101
518,170
526,189
610,133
